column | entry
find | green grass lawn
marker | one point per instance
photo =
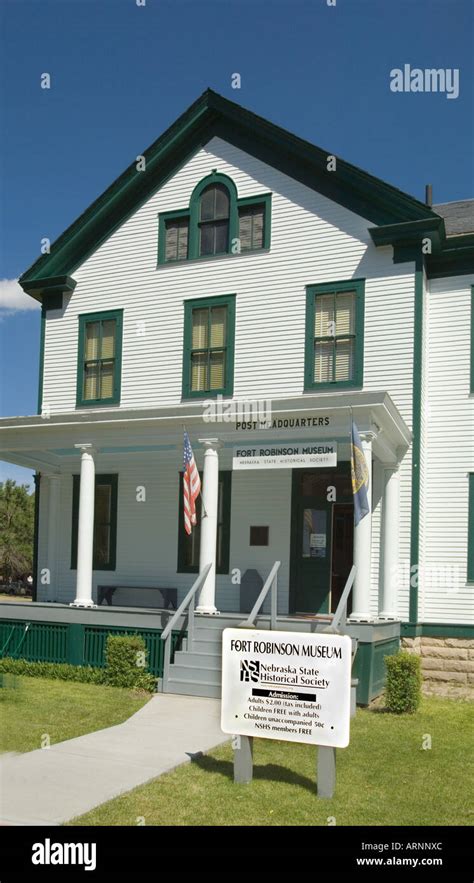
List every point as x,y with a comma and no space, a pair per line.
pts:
30,707
385,777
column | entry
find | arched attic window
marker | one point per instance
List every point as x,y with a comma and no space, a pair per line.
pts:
213,216
216,223
214,220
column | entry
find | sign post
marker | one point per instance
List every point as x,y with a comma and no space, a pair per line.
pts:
292,686
243,759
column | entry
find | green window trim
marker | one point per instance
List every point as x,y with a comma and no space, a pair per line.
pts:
112,481
228,301
472,339
312,292
84,320
192,214
264,199
225,487
163,219
470,531
194,220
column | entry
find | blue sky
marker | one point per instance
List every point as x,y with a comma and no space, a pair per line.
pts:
121,73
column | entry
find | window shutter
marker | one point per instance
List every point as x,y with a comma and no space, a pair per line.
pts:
183,230
258,226
171,250
245,229
251,224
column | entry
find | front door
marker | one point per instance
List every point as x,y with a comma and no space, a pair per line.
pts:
311,560
317,523
342,551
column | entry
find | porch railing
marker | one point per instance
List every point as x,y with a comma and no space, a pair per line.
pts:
188,602
340,615
271,583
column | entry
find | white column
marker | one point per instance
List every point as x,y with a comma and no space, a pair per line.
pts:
363,546
85,536
53,511
210,500
390,528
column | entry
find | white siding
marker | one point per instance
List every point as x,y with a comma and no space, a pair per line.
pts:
313,240
449,452
147,532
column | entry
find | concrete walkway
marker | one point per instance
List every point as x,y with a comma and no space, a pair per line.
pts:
50,786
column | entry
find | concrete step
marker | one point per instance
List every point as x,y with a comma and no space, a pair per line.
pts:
222,621
197,688
208,634
198,659
200,646
192,674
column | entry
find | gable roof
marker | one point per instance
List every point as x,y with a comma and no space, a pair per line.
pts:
212,115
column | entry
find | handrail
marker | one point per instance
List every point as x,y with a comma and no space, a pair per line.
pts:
166,634
194,588
271,582
341,609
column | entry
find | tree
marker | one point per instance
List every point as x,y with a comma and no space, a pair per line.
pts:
17,516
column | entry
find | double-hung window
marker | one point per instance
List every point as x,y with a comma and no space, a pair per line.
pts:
99,358
334,335
209,326
214,215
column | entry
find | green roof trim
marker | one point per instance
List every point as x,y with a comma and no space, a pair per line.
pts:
450,255
212,115
409,233
41,289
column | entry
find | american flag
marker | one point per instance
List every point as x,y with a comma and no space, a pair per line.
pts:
191,485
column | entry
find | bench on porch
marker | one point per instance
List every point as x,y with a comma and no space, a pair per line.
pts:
169,597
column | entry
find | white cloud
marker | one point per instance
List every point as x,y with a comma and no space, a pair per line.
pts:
13,299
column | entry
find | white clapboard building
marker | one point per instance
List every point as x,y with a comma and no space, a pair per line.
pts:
240,282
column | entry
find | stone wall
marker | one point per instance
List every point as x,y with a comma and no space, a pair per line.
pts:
444,660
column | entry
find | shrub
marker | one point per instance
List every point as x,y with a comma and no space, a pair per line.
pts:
57,670
127,663
403,686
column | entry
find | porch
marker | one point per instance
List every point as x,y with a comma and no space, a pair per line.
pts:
43,632
128,464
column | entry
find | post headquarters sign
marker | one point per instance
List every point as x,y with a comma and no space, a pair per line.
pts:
286,455
287,685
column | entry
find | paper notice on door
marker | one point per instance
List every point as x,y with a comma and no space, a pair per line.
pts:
317,540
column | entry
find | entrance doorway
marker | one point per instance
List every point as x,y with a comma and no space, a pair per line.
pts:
342,551
321,546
